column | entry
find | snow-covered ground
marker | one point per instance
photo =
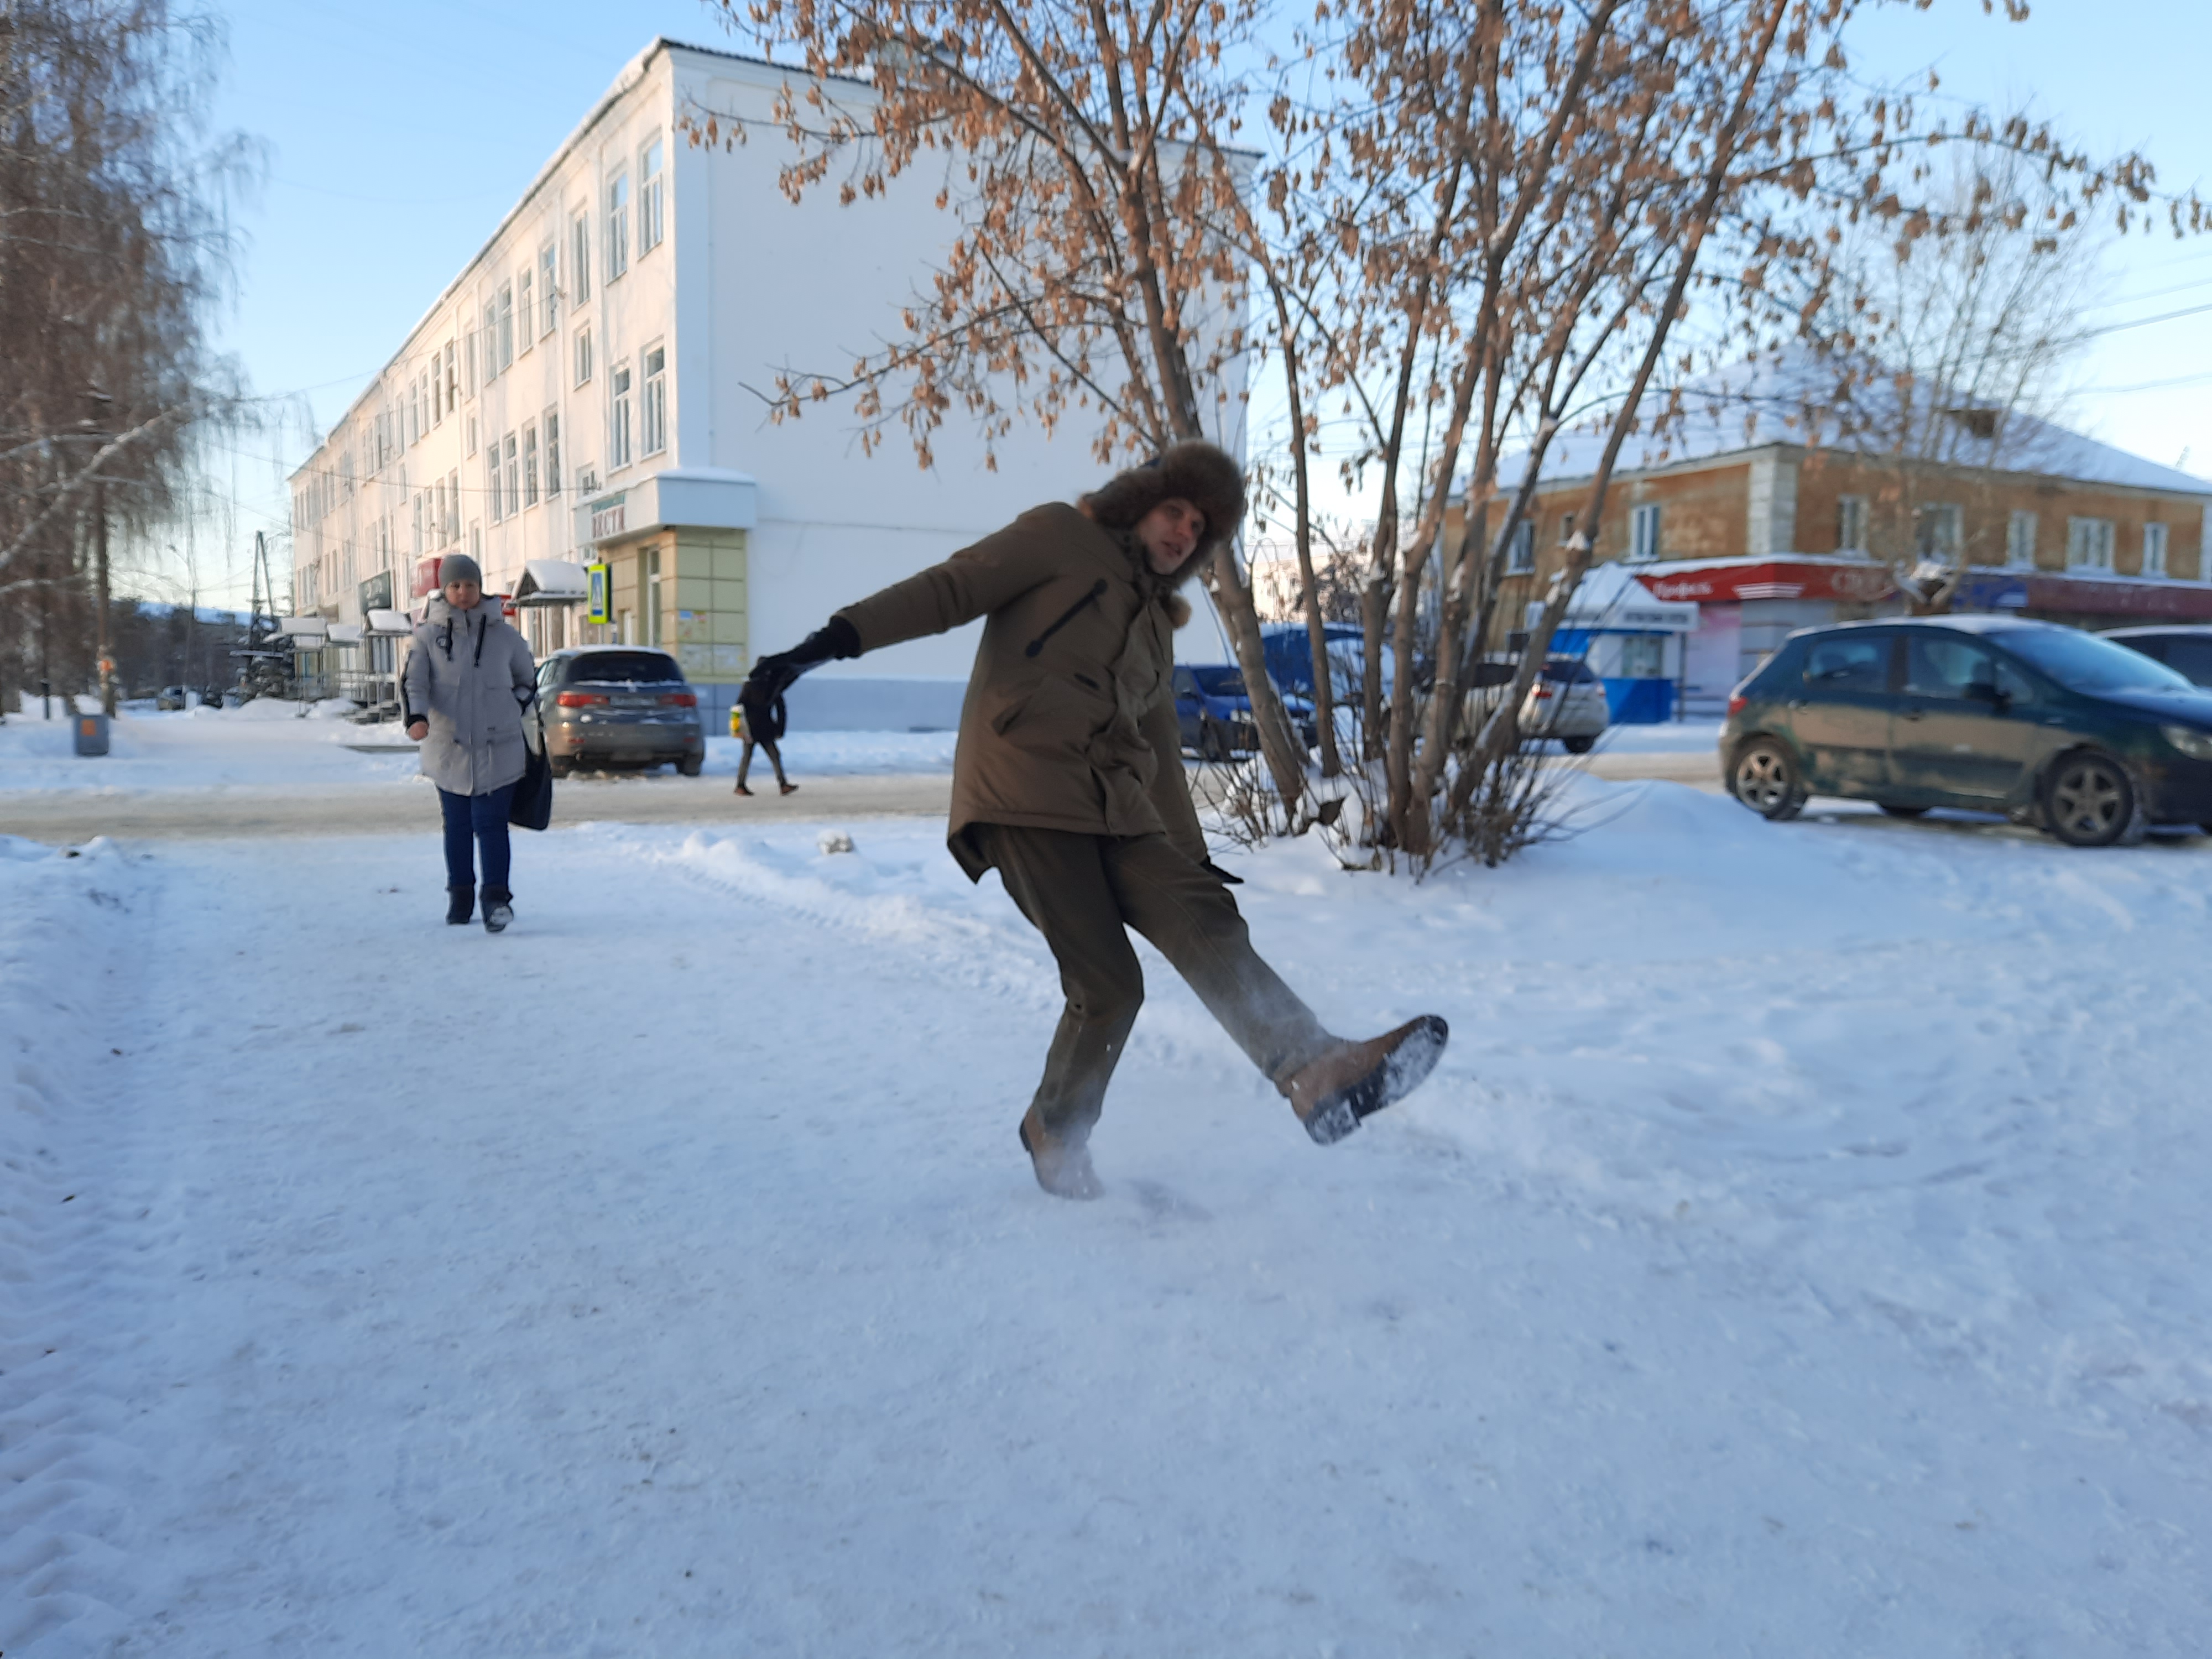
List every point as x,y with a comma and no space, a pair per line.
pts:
267,747
1797,1253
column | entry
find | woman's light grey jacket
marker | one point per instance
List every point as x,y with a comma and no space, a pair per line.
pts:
467,676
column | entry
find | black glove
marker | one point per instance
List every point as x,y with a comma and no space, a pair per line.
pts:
1227,879
775,674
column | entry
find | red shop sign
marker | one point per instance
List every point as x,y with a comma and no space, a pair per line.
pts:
1775,578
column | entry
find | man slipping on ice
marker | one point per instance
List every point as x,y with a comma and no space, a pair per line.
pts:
1068,782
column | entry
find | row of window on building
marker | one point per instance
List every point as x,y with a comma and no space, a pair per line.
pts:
2089,541
531,298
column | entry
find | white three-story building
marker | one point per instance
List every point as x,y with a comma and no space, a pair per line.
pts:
588,390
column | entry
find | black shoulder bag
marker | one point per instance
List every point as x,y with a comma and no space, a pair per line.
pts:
532,807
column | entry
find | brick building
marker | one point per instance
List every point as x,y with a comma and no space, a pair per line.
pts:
1748,512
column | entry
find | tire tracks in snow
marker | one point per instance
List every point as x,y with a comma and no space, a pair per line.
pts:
68,977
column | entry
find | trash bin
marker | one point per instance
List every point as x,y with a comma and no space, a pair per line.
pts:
91,734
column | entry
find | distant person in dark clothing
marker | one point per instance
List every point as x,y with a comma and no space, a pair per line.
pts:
762,717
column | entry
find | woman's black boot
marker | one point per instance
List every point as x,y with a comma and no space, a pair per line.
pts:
499,909
460,904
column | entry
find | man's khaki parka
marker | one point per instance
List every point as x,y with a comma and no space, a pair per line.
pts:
1069,721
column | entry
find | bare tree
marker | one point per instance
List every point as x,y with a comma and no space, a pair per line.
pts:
1089,159
113,250
1948,359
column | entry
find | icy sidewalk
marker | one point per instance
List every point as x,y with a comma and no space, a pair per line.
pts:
1796,1251
266,748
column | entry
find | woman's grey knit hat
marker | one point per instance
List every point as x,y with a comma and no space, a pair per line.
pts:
458,568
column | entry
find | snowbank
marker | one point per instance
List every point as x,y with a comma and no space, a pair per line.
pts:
1796,1251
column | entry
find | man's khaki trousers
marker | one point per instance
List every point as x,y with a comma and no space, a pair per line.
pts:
1084,893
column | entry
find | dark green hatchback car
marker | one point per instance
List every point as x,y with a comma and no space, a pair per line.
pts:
2046,725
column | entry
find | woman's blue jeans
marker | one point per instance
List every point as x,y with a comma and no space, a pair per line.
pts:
472,819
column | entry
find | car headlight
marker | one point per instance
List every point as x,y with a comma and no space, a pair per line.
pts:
2197,745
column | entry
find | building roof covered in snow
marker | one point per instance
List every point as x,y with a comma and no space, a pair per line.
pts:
1793,398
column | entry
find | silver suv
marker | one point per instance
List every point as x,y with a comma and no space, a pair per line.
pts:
616,705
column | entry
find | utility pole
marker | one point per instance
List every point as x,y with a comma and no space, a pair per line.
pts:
106,653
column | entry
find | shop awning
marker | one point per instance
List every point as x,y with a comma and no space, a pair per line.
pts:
306,631
345,633
1611,600
390,624
551,581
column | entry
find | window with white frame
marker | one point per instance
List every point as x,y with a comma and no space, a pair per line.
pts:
2019,542
619,417
650,223
617,225
1850,524
583,356
580,257
453,506
452,379
530,465
469,448
1643,532
2153,549
2088,543
469,348
525,308
1566,528
476,542
1936,533
506,326
438,514
418,525
1521,551
548,287
513,476
552,452
653,400
489,334
491,480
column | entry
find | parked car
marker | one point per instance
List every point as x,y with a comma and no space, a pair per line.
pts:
2185,648
171,696
1567,701
1215,712
616,705
2049,726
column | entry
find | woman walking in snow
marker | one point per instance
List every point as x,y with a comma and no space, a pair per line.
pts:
1068,780
469,677
761,718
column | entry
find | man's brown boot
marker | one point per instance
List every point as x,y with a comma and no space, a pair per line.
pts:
1063,1167
1355,1080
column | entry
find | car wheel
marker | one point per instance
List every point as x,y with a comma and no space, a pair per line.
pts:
1579,745
2088,800
1897,811
1212,740
1766,779
692,765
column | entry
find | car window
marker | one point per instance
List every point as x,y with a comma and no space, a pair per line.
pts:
1852,662
549,672
2082,662
1945,666
1219,682
2191,659
1569,673
623,667
2153,647
1184,685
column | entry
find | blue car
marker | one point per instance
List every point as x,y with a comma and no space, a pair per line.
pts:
1215,712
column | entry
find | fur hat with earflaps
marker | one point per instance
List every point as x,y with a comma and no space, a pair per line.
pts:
1203,474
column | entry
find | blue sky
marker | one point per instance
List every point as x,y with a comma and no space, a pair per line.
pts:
398,136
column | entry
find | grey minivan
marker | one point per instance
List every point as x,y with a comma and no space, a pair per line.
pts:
616,705
2047,725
